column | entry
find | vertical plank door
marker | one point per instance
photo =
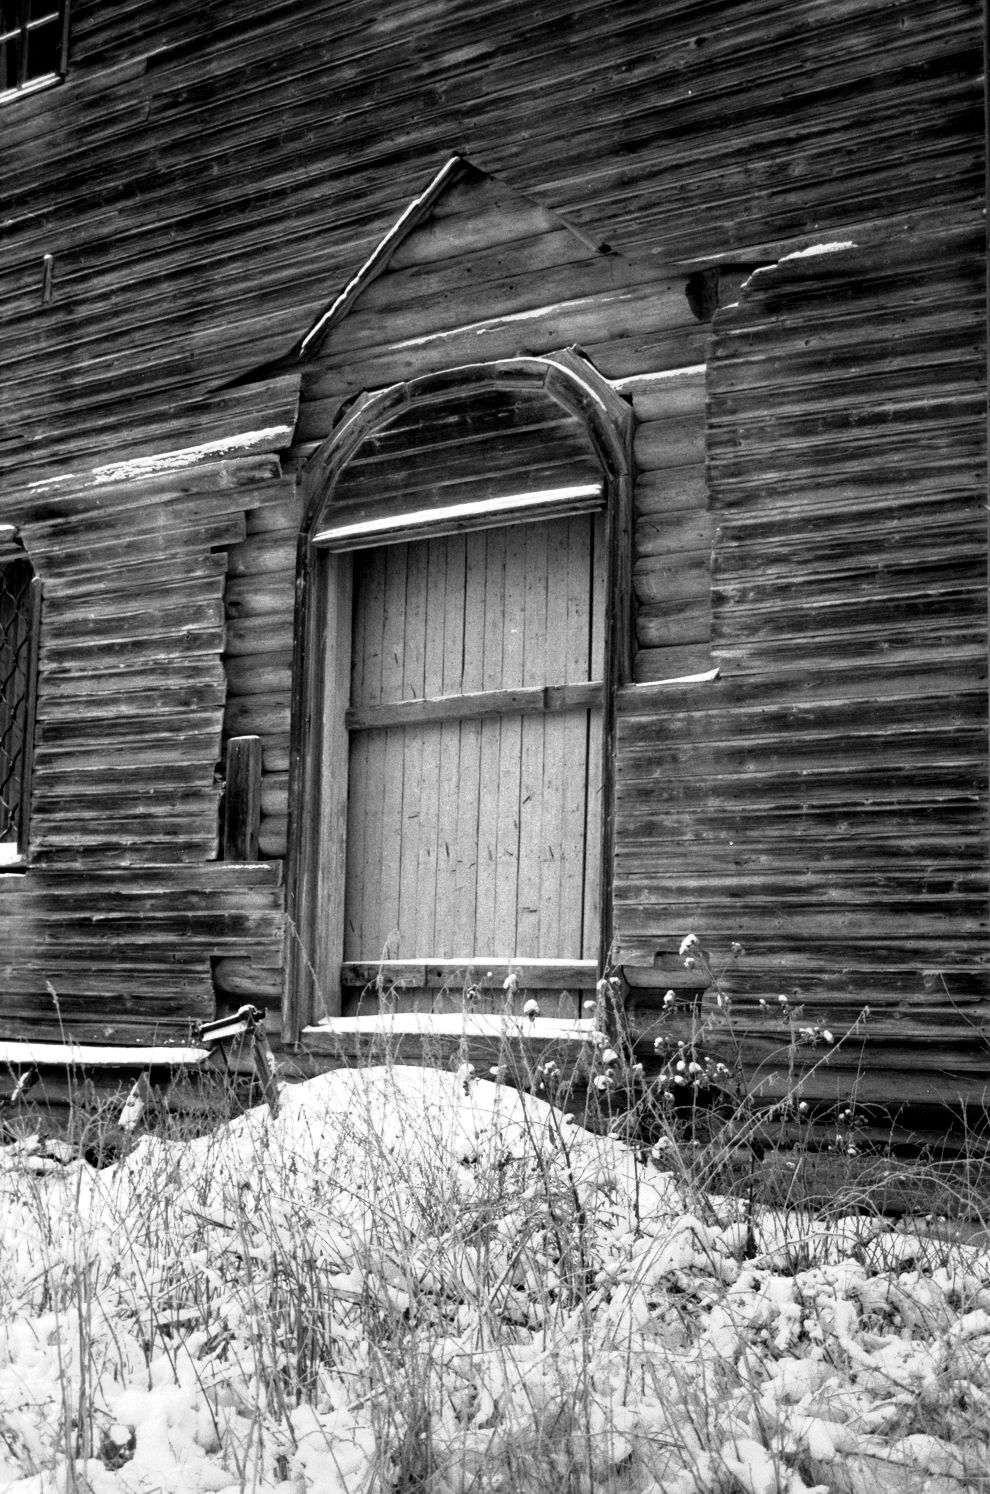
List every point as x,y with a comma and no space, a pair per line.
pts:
474,812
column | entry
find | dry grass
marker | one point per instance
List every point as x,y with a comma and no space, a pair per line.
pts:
418,1282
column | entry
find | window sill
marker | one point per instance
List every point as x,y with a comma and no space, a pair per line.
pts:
28,90
11,859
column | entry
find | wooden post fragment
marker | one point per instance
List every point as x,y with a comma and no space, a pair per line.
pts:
242,799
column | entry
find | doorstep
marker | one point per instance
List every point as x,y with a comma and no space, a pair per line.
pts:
437,1038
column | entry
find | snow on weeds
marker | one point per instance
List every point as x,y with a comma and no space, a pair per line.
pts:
416,1280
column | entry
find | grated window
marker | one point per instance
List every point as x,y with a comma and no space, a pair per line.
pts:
17,608
33,37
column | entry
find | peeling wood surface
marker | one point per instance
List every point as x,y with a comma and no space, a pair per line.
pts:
110,933
478,225
824,801
813,520
251,160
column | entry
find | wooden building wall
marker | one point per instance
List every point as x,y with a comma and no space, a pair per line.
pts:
824,802
208,176
204,183
112,932
484,278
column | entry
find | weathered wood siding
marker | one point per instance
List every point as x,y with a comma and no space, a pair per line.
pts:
672,541
511,258
205,182
111,932
483,277
825,801
208,176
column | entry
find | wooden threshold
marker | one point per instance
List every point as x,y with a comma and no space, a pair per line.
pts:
441,1038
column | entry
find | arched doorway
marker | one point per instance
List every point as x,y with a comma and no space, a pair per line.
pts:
457,651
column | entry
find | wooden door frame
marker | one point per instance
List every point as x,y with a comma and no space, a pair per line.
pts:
322,654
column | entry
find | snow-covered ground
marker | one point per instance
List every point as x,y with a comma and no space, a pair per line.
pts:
408,1280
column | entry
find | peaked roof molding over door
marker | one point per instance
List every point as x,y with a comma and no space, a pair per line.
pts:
527,439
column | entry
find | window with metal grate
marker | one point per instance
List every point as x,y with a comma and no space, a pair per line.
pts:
33,42
19,620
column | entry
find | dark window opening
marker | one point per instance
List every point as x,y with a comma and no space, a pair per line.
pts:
19,604
32,43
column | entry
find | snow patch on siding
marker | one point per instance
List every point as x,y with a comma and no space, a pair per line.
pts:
834,248
189,456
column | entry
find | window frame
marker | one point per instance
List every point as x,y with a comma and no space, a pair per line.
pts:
321,673
12,553
28,86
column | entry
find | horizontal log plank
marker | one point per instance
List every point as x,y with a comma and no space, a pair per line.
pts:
273,836
245,979
100,615
250,597
256,674
143,705
257,715
270,632
117,552
133,677
672,661
68,658
128,583
265,554
670,490
662,625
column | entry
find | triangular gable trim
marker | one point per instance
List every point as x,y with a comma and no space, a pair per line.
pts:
380,256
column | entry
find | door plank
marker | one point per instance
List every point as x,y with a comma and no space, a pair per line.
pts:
357,845
510,745
413,685
369,619
429,798
574,745
450,745
367,761
533,747
489,749
384,913
550,864
463,931
598,598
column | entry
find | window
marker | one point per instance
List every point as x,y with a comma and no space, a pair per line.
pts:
33,40
19,621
